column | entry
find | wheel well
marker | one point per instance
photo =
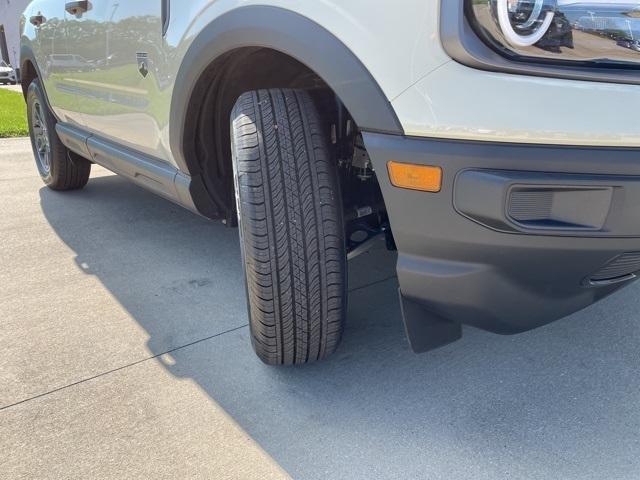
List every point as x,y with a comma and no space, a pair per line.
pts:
207,143
28,74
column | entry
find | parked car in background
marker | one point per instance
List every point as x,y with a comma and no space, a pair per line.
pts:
65,63
494,143
7,74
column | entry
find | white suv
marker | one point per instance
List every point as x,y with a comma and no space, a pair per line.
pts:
7,74
495,143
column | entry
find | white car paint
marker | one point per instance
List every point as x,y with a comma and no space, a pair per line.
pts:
457,102
398,43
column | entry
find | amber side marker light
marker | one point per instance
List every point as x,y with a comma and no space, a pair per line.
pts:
415,177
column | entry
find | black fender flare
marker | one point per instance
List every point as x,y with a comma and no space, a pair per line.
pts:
27,55
294,35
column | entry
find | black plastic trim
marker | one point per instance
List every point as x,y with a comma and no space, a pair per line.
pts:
590,205
460,271
463,45
151,173
26,54
612,281
74,139
425,330
294,35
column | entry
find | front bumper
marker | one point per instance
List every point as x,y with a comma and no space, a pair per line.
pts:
519,235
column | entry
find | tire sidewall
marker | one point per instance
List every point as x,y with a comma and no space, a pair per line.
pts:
243,255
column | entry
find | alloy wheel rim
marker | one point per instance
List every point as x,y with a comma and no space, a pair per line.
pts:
41,138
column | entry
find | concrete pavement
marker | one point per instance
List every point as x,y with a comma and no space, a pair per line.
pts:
125,353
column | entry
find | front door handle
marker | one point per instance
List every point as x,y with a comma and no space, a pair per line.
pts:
37,20
77,8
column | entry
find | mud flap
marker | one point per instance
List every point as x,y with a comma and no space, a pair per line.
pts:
425,330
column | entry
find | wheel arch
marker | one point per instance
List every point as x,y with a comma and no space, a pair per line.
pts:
28,68
217,50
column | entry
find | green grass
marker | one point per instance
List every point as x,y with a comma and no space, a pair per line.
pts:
13,115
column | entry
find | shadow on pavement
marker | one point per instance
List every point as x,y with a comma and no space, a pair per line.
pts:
559,402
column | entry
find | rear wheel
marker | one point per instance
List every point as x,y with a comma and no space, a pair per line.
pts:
59,168
291,227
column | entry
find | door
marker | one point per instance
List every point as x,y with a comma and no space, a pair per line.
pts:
79,68
46,17
128,89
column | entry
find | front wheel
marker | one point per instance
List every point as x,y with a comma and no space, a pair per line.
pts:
291,227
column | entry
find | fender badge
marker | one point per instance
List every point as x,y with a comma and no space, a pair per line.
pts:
143,63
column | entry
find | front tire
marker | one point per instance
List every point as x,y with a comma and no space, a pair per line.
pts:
291,227
59,168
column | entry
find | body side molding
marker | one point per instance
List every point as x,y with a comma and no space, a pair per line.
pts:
155,175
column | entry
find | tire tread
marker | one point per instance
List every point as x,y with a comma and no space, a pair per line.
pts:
291,227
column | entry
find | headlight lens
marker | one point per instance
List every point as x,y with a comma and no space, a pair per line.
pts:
599,32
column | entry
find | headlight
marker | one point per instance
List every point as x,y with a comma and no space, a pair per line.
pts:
599,32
